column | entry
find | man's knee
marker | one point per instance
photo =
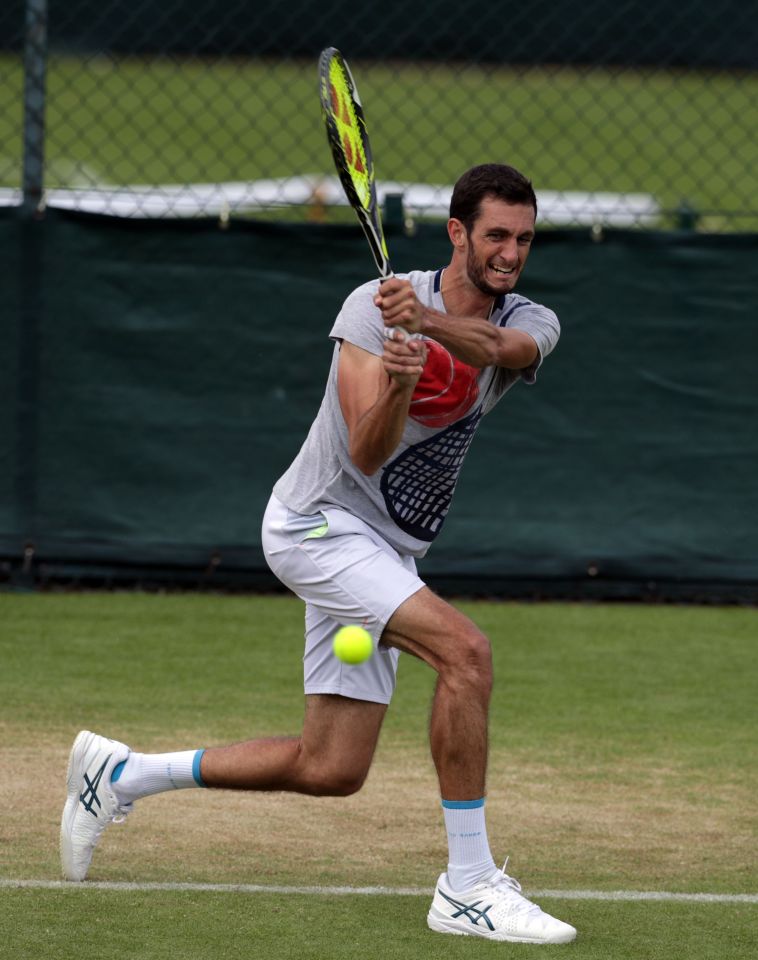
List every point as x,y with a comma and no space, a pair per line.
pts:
337,744
325,780
470,661
438,633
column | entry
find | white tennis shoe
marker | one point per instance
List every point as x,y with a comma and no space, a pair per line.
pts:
91,804
495,910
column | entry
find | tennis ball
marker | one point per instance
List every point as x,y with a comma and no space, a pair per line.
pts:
353,644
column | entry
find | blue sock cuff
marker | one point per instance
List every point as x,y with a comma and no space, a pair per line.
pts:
117,771
196,768
462,804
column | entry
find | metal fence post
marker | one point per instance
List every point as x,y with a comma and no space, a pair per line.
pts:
35,63
31,233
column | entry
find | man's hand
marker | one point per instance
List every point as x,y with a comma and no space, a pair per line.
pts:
375,394
404,359
400,306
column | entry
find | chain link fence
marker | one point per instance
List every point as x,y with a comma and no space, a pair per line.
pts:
629,115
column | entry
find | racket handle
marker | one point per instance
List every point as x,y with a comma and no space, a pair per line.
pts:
388,331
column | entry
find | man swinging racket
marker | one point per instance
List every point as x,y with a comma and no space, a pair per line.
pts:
365,496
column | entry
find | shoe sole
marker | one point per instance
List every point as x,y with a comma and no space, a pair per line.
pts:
80,758
74,775
446,925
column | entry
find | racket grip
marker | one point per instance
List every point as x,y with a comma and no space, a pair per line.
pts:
388,331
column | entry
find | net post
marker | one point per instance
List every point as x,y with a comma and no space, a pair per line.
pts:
35,66
687,216
394,215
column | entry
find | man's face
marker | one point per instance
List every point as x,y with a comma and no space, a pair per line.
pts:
498,245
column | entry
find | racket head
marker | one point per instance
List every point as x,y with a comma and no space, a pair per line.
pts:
346,132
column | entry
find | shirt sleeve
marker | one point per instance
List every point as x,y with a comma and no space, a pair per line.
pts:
359,321
542,325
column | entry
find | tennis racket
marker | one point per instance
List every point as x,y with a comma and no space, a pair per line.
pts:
348,138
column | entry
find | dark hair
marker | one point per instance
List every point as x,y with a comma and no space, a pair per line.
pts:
489,180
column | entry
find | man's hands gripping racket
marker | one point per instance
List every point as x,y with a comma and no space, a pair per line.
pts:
348,139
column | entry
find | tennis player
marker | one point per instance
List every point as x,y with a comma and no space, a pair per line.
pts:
418,361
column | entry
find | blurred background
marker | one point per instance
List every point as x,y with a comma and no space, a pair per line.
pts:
643,114
176,246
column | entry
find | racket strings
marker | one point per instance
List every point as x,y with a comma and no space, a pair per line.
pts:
350,133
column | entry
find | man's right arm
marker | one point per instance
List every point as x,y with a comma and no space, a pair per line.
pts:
375,395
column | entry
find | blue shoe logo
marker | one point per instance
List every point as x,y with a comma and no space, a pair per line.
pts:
89,796
470,911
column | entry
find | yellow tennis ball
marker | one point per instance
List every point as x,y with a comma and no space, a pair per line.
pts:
353,644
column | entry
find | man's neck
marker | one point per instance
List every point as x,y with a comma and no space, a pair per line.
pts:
462,298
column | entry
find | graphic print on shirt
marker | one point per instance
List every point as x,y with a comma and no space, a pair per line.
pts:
418,485
446,390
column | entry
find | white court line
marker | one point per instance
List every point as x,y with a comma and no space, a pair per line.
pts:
615,895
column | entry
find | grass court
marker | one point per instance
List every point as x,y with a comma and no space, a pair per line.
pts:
622,764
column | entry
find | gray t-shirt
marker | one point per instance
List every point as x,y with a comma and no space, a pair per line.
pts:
407,500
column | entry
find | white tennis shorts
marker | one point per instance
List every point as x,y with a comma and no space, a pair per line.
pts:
346,574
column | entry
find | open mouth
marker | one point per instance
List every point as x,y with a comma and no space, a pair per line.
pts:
502,271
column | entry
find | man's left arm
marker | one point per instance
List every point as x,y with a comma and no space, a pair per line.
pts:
473,340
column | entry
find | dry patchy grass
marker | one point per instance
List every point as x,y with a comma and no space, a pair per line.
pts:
613,827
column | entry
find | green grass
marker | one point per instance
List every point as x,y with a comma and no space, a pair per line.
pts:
622,758
680,135
164,926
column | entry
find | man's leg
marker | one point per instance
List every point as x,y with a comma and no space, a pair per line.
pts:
472,897
331,757
458,651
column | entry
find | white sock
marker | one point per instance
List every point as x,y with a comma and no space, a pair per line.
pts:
143,774
470,857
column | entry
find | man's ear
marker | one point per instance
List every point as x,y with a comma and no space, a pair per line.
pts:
457,233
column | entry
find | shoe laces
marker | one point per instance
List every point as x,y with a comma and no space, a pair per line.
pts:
121,811
510,889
